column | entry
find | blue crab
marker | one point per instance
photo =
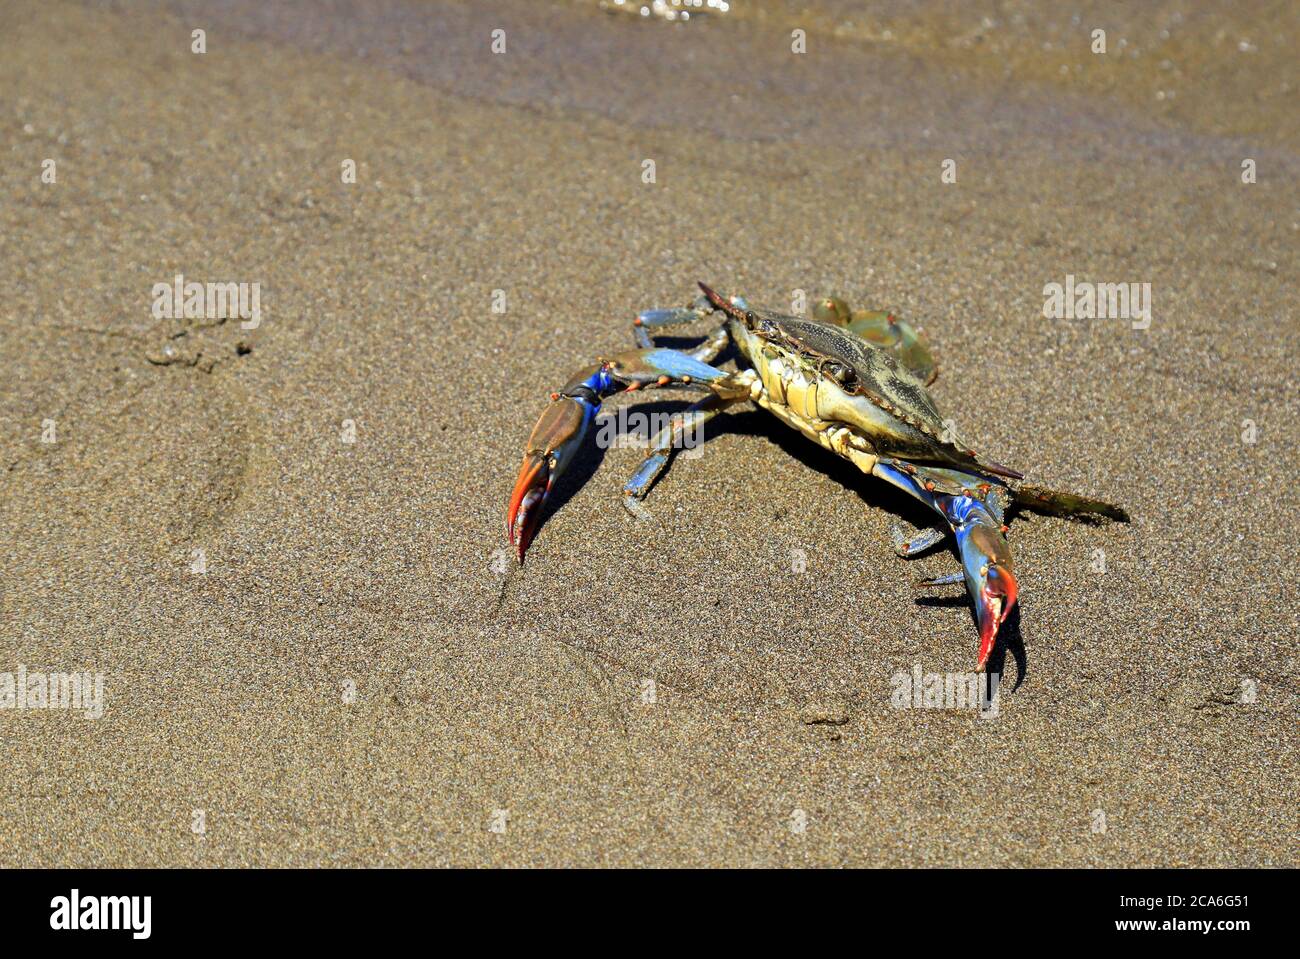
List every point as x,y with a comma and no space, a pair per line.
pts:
855,382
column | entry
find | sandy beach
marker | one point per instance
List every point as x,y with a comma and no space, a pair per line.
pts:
281,544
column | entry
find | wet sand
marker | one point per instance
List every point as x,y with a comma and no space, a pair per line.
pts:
1154,681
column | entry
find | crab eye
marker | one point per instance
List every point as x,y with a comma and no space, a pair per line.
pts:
749,316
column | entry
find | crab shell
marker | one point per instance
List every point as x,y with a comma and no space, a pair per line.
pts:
824,374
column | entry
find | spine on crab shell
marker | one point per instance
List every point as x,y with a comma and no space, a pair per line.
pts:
1043,500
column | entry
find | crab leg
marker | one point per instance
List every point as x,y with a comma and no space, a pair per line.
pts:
563,424
947,579
909,546
665,443
974,514
701,308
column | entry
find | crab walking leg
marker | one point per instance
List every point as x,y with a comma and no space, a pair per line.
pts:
563,424
976,522
647,320
947,579
666,443
909,546
714,343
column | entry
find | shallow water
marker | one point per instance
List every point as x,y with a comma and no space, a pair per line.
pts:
968,75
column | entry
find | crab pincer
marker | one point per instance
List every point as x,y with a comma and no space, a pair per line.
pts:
986,567
563,424
550,447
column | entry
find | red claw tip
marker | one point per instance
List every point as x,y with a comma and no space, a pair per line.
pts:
995,602
524,513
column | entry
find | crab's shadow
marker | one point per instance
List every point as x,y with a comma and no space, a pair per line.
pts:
883,496
875,493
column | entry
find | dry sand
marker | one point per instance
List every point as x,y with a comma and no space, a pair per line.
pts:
379,563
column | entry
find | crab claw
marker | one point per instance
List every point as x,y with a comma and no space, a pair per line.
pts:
524,514
563,424
554,440
996,598
990,581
